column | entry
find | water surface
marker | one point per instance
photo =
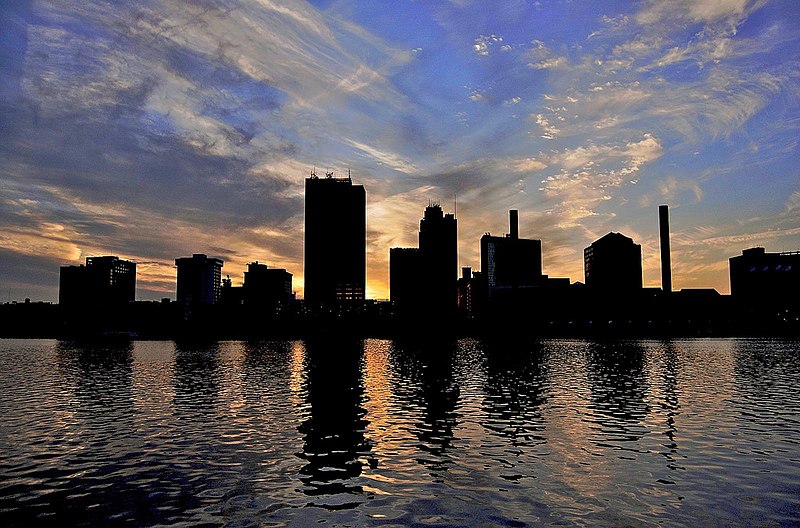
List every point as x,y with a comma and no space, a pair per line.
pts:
385,433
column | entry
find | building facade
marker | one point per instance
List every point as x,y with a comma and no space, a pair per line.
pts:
770,277
267,286
103,281
335,240
510,261
613,263
199,280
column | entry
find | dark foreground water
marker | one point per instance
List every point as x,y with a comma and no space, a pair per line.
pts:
575,433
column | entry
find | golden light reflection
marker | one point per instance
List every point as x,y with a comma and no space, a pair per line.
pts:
297,373
377,390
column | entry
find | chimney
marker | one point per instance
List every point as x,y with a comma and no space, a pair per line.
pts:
513,221
666,267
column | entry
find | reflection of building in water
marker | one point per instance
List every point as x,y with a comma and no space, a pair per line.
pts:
669,403
428,384
102,378
196,379
335,446
103,281
618,390
515,381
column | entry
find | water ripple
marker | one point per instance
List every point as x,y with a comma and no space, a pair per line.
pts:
400,433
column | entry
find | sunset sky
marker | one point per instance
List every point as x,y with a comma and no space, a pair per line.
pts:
156,129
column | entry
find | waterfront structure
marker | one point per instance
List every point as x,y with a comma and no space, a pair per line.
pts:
423,280
613,263
267,286
666,265
199,280
335,239
405,269
438,248
103,281
758,276
510,262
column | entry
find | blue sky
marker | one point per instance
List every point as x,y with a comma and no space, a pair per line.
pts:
157,129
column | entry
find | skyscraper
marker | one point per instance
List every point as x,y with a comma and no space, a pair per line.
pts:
335,239
103,281
613,263
423,280
438,248
199,280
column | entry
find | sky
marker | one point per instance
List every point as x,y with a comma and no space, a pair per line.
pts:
156,129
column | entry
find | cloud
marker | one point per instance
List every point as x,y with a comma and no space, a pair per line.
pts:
483,44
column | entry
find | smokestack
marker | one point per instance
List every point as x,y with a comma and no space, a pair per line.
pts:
513,222
666,267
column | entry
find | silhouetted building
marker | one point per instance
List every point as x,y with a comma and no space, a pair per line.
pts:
335,239
423,281
438,248
267,286
199,280
666,266
613,263
759,276
103,281
510,261
471,293
405,270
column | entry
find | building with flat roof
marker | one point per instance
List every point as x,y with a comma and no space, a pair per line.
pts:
267,286
510,261
758,275
335,240
105,280
199,280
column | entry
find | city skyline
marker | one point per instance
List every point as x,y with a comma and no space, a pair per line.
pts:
154,131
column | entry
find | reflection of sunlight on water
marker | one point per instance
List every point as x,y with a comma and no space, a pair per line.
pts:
377,390
297,374
404,433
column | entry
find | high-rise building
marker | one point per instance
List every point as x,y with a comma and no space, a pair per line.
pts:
335,239
438,248
613,263
103,281
769,277
510,261
199,280
423,280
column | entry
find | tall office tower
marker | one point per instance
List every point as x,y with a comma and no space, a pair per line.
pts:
335,239
438,248
510,261
102,281
613,263
666,266
199,279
